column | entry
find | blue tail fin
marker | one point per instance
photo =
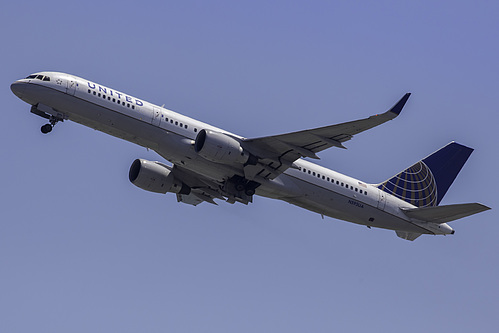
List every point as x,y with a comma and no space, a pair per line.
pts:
426,182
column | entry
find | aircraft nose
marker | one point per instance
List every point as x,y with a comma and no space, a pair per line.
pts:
18,88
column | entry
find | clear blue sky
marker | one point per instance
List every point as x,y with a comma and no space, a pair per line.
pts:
83,250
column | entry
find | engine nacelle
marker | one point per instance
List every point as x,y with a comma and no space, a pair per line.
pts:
155,177
220,148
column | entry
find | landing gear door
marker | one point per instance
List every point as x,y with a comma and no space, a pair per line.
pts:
382,200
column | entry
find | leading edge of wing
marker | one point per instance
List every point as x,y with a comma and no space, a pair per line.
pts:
307,143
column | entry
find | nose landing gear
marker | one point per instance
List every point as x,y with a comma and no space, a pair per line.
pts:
47,128
47,112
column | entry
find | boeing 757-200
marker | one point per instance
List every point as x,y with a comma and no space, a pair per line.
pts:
209,163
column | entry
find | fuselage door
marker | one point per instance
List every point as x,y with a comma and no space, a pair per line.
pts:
71,86
156,116
381,200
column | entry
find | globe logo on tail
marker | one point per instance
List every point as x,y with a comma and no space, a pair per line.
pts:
415,185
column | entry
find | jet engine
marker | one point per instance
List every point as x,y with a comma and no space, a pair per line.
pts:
220,148
155,177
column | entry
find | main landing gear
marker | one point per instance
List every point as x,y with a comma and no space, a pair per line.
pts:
242,185
47,128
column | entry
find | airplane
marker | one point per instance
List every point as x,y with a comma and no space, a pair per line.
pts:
209,163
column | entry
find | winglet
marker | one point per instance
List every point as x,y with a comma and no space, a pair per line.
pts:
397,108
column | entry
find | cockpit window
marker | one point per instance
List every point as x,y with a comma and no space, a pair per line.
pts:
39,77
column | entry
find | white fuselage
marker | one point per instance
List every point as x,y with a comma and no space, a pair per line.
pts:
172,136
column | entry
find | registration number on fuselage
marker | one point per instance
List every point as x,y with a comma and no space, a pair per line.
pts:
355,203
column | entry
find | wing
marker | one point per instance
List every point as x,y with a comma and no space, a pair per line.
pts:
278,152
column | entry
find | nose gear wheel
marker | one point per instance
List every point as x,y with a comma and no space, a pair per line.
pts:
47,128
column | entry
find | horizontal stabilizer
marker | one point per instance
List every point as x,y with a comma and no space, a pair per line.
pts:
408,235
443,214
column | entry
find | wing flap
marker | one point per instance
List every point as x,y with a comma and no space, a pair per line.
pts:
443,214
407,235
189,199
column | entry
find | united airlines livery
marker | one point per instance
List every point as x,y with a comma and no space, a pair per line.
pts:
209,163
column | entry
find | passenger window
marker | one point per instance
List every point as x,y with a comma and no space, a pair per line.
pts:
95,93
195,130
